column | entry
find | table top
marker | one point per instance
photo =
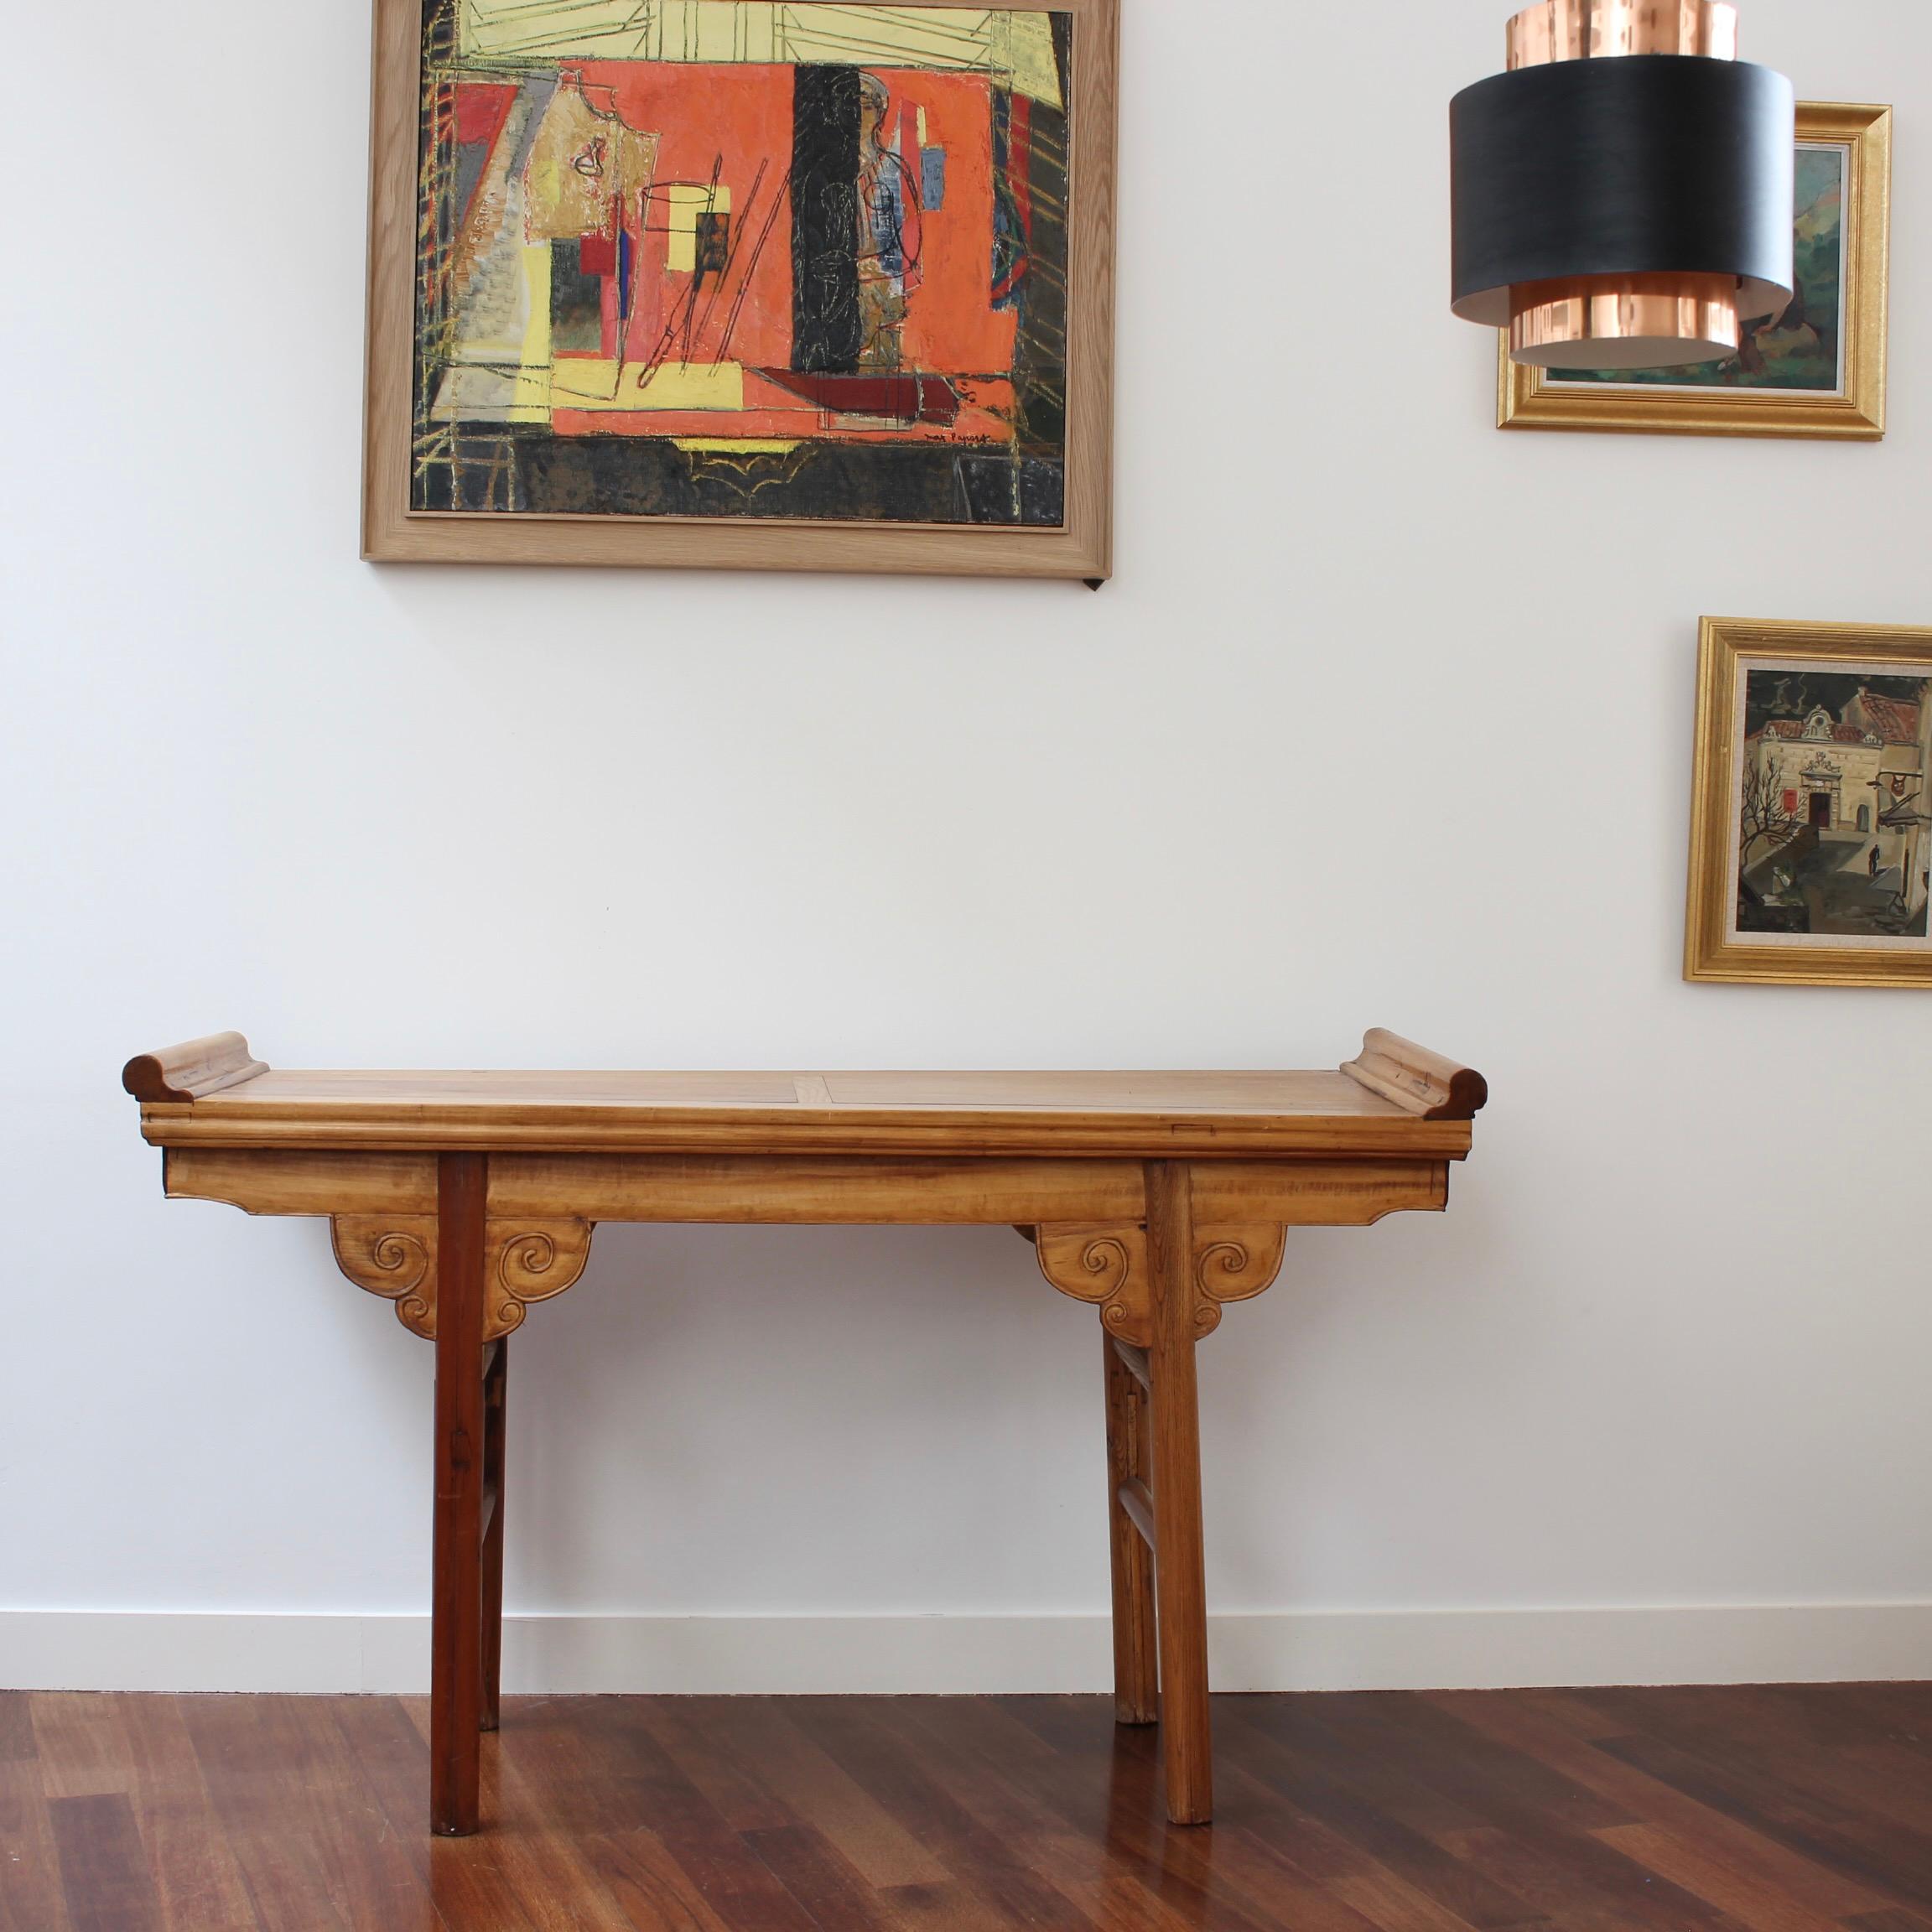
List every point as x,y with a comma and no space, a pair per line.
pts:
1394,1099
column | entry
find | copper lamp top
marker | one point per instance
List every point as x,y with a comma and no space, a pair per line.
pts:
1591,29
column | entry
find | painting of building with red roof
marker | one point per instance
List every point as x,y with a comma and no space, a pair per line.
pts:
1832,805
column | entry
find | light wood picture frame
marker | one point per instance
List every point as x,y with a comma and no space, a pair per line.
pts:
1833,349
1811,828
985,147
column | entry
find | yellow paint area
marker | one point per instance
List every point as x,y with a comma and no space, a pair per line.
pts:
530,400
694,385
588,382
1022,47
679,204
733,445
1014,46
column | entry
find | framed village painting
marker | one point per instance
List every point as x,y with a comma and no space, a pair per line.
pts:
1815,370
1811,835
743,284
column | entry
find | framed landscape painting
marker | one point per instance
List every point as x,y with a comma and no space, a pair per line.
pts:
743,284
1816,369
1811,835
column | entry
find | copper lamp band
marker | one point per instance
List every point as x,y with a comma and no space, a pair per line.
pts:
1597,321
1597,29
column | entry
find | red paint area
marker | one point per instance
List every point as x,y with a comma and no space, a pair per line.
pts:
597,254
951,323
731,119
481,110
1020,142
723,123
773,412
903,398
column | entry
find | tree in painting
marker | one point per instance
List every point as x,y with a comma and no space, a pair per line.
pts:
728,259
1832,819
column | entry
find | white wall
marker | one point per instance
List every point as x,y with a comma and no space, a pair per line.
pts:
1385,720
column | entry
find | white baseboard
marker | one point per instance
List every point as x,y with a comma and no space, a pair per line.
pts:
1296,1650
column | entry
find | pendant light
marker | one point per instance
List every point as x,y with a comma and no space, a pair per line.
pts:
1623,193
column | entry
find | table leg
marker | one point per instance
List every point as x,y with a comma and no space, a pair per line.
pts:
1136,1671
496,1392
1180,1571
456,1636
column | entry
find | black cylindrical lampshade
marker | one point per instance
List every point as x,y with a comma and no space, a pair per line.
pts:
1644,165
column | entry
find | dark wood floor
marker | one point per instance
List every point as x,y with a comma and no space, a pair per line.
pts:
1779,1810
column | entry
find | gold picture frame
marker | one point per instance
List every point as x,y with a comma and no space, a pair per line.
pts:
731,476
1811,832
1532,398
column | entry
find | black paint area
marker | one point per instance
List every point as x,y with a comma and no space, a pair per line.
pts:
1039,349
825,323
531,471
576,301
713,245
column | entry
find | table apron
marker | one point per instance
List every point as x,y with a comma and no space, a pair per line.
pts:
788,1190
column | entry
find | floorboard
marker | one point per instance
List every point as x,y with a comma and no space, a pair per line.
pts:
1779,1808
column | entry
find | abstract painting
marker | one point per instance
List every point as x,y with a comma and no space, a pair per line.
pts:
731,261
1812,858
1816,367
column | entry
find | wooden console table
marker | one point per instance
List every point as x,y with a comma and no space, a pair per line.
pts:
463,1197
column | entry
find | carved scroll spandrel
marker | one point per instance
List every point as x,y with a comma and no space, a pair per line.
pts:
1105,1266
1108,1266
529,1261
524,1261
393,1256
1233,1264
